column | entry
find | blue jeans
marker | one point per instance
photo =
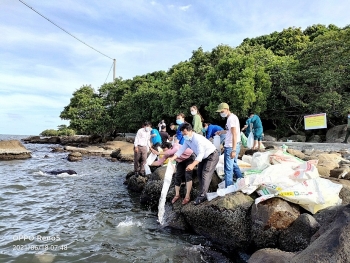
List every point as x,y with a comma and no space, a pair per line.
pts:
231,166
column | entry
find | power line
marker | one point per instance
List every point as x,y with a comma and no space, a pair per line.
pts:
64,30
109,71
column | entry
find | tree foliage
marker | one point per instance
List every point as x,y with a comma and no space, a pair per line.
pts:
281,76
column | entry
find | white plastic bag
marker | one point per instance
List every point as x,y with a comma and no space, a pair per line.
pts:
167,180
216,142
250,141
150,159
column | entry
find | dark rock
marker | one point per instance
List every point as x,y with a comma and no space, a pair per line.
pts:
270,138
269,218
298,138
297,237
137,184
331,243
269,255
151,191
342,172
75,156
315,138
116,154
56,172
57,150
225,220
336,134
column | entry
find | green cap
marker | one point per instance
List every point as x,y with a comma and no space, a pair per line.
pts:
222,106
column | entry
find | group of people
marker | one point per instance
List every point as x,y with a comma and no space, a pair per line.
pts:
191,147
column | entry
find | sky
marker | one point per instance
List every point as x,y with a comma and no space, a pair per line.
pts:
41,65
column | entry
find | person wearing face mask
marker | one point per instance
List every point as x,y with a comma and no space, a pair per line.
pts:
180,120
207,158
232,143
211,129
141,146
347,129
197,120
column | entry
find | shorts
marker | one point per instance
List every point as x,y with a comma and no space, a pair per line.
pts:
258,132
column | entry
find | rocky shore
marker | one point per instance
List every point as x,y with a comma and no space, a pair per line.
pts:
272,231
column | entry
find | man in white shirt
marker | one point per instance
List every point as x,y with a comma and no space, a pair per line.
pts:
141,146
207,158
232,144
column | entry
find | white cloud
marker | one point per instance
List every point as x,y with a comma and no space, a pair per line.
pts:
185,7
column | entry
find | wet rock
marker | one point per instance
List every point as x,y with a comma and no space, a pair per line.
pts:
56,172
13,149
308,151
150,191
298,236
57,150
75,156
116,154
225,220
296,153
137,184
331,243
159,173
269,218
269,255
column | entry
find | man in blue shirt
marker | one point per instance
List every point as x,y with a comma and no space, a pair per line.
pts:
257,127
207,158
211,129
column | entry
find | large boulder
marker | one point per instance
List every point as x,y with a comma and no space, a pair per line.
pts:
269,218
75,157
336,134
315,138
137,183
328,162
298,138
224,220
331,243
13,149
270,255
298,236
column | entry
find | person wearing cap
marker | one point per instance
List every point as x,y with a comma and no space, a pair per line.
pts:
232,143
207,158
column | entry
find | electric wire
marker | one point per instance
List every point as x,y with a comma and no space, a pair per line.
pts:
64,30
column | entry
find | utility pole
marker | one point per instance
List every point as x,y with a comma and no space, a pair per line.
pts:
114,69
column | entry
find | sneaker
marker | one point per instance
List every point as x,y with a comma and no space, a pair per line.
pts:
199,200
344,142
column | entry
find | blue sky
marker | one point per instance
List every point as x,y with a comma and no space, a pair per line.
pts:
41,66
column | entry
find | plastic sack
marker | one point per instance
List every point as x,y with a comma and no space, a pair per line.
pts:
250,140
261,160
150,159
216,142
167,180
244,139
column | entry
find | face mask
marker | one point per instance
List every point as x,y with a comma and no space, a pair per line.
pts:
148,129
178,121
223,114
193,112
348,116
186,137
204,130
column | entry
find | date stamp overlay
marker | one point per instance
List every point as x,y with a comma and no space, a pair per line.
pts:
41,243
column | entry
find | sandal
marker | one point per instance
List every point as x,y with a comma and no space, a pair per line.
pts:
176,197
199,200
185,201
